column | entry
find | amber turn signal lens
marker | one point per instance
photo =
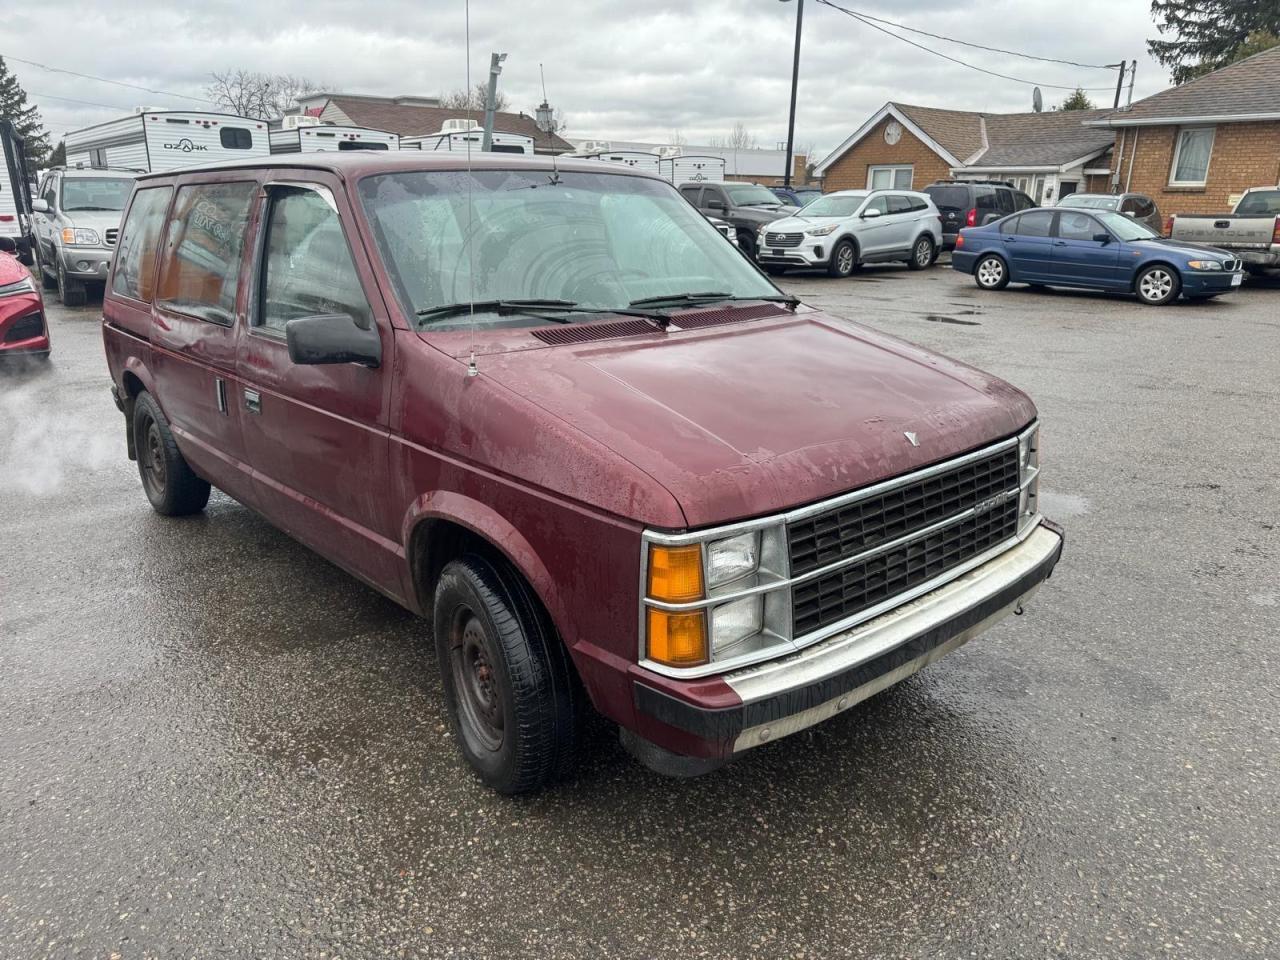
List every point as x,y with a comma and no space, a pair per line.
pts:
678,639
675,573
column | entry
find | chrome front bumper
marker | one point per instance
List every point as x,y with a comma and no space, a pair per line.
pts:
781,697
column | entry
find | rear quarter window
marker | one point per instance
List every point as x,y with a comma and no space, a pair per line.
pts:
134,272
949,197
1261,203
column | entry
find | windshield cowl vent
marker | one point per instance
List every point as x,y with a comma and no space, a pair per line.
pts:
588,332
692,319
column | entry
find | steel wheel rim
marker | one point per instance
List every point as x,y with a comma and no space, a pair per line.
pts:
156,472
475,683
844,259
1156,285
922,252
990,272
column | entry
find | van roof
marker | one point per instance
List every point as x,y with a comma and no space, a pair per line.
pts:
350,164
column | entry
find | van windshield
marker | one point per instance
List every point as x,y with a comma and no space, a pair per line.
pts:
95,193
598,241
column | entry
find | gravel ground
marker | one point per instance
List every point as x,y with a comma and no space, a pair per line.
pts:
215,744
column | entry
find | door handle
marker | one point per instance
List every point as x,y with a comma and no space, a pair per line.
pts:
253,401
1010,239
1059,243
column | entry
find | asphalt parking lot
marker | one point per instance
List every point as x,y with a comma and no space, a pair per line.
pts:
215,744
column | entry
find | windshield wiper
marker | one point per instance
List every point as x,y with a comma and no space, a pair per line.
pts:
675,299
499,307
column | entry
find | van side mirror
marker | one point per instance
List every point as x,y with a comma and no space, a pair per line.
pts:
332,338
39,205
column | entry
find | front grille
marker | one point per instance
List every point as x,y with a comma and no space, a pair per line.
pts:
860,586
988,485
112,234
1231,265
783,239
29,326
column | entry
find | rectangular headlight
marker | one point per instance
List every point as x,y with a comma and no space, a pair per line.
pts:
732,558
733,622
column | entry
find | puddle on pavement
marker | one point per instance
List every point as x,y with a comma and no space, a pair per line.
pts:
939,318
1060,506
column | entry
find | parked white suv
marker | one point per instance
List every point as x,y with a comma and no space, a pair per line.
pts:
843,230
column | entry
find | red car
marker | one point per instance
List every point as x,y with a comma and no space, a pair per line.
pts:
23,328
543,403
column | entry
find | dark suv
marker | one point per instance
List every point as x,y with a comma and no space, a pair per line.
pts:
973,203
748,206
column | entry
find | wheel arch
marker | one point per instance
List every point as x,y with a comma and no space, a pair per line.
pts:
134,379
1148,264
979,257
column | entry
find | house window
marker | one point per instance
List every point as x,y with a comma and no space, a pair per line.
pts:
889,178
1191,157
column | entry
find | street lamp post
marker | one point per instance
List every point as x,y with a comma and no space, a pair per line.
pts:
795,79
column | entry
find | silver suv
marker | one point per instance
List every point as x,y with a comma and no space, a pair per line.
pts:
76,218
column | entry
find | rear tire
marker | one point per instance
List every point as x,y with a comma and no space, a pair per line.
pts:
169,483
1157,285
775,271
922,253
844,260
991,273
70,292
513,699
747,243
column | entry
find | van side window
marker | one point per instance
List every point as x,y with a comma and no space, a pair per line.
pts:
236,138
135,265
307,268
201,267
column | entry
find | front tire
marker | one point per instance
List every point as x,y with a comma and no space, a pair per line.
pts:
70,292
844,260
169,483
508,682
922,253
747,243
991,273
1157,285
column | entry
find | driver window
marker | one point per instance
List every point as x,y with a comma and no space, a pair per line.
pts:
307,267
1077,226
880,204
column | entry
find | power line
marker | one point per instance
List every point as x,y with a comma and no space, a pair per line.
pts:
963,63
87,103
978,46
118,83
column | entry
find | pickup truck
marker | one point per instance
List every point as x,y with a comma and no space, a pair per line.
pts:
1251,231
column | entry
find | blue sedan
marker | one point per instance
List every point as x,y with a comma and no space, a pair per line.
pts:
1100,250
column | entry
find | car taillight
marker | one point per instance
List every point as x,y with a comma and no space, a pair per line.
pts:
971,218
1168,226
1275,232
959,240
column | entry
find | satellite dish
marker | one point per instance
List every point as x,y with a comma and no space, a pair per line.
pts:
1037,101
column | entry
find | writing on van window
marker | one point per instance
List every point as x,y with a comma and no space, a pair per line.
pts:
200,272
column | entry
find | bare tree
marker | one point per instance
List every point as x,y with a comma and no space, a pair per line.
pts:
474,99
249,93
676,138
740,138
717,142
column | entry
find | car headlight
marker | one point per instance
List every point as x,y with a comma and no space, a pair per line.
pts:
822,231
711,600
80,237
1028,476
25,285
1204,264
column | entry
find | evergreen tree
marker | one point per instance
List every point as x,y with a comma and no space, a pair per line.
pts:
1077,101
1209,34
59,156
26,119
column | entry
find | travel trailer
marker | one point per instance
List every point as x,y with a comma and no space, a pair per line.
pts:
691,169
644,162
459,134
155,141
295,137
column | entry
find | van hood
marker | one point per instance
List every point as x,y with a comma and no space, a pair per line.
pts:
756,417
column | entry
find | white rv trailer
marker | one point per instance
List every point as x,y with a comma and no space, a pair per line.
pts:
312,138
154,141
459,140
691,169
637,159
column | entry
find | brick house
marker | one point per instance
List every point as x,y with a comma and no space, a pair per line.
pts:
1197,147
1047,155
415,116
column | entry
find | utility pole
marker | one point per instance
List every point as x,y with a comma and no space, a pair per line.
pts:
1133,72
795,80
495,68
1119,83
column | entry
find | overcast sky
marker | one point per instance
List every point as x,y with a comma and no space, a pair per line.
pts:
620,69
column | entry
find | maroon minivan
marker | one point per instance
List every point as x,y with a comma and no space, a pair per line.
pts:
546,405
